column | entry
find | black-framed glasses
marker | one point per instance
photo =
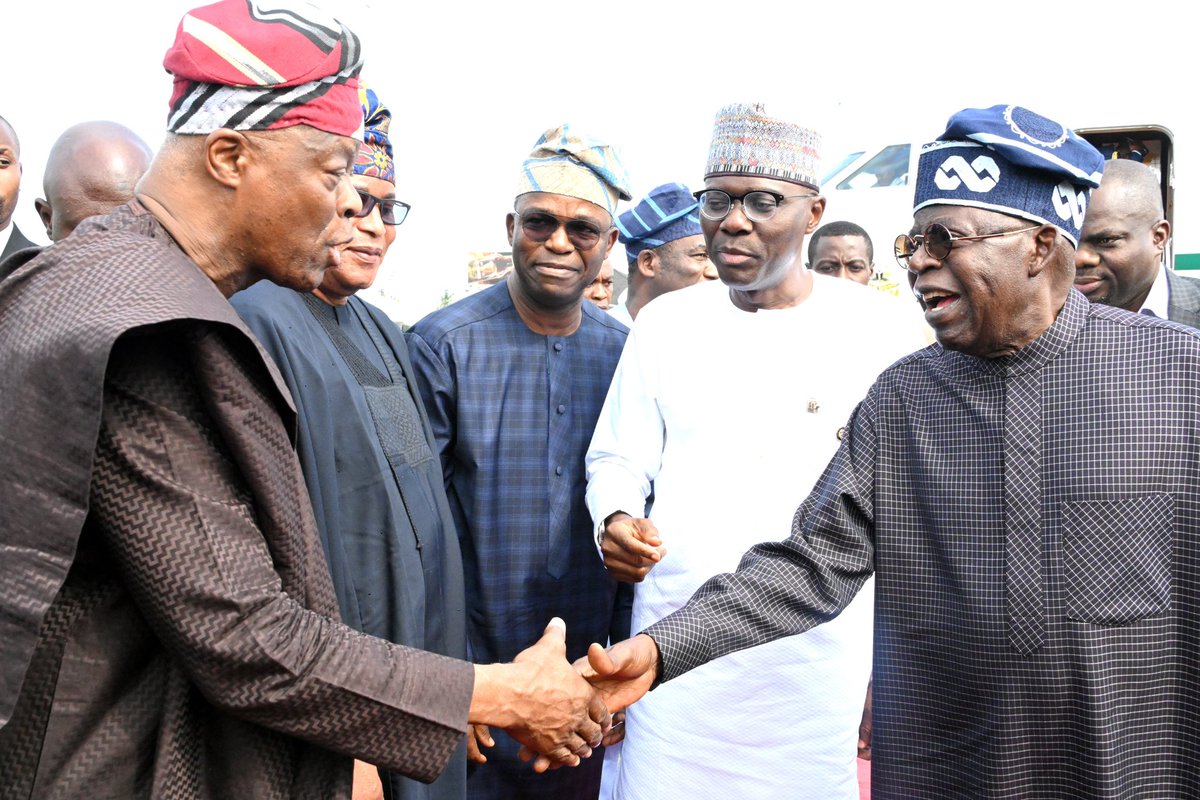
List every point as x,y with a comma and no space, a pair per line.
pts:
938,241
539,226
391,212
758,206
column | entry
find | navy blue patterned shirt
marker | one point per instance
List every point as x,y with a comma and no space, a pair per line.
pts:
513,412
1033,523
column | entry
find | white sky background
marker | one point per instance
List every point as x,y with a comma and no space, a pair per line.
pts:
472,86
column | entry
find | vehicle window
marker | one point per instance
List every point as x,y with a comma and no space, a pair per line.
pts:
888,168
841,165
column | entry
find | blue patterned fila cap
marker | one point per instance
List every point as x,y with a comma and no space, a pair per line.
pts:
668,213
1014,161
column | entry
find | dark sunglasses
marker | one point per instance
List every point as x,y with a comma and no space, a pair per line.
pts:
938,241
391,212
541,225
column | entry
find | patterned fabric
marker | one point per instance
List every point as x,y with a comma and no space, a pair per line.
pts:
512,412
1184,303
147,471
748,141
245,65
375,152
1011,160
668,213
376,488
1109,705
572,164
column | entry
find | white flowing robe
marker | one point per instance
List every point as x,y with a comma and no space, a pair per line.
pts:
733,415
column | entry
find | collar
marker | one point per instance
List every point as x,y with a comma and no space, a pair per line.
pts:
1044,349
1159,299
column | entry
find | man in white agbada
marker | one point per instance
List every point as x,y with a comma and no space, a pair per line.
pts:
730,398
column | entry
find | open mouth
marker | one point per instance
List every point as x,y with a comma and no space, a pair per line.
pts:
936,300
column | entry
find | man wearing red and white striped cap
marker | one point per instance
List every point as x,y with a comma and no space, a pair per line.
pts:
167,619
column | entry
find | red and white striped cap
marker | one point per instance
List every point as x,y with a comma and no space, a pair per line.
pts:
257,65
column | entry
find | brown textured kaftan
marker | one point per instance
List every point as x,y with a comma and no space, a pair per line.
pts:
165,608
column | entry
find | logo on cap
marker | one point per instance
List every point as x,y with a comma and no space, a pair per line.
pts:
1070,203
980,176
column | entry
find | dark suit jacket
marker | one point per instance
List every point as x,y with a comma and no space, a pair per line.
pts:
16,242
1184,305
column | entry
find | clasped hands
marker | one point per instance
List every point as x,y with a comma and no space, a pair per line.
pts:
556,710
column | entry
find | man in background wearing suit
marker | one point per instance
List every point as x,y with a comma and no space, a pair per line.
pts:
1120,257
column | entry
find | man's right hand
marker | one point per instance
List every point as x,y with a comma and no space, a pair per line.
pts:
542,702
631,547
623,673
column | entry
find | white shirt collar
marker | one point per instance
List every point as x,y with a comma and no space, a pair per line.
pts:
1159,298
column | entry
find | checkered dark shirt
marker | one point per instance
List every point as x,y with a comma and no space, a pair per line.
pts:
1089,437
513,412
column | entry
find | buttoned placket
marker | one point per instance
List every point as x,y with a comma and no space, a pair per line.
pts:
1025,571
559,384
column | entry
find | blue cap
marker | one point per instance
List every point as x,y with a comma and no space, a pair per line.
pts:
1012,160
668,213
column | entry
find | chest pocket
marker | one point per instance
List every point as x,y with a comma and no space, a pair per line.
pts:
1117,558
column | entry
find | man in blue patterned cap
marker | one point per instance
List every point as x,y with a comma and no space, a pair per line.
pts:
726,404
664,245
1026,493
513,378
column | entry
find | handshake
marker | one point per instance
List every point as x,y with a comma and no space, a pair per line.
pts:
558,711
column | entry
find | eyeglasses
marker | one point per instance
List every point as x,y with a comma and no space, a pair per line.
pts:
758,206
541,225
938,242
391,212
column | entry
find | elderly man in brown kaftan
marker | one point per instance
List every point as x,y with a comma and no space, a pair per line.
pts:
1027,494
166,614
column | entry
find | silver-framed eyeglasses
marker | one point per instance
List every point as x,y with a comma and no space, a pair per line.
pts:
938,241
758,206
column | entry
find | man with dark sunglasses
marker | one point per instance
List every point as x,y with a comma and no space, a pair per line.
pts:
513,378
729,402
1026,494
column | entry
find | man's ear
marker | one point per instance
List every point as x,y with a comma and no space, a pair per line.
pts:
1043,249
43,210
814,216
613,233
647,263
226,155
1160,232
510,223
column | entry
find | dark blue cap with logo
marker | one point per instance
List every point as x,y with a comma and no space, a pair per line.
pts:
1014,161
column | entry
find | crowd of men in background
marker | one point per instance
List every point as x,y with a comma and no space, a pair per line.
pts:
212,492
